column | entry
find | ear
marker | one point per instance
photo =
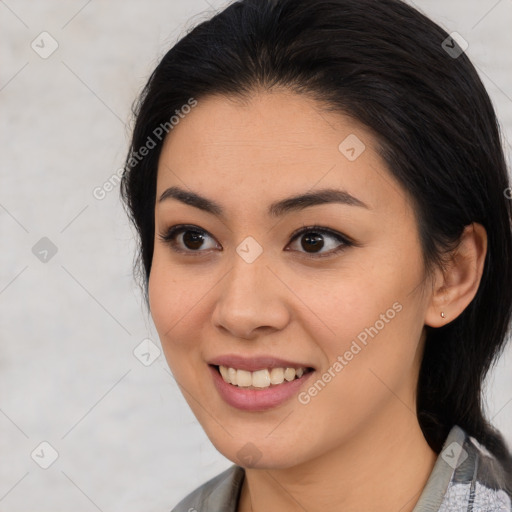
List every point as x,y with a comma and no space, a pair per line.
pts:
456,284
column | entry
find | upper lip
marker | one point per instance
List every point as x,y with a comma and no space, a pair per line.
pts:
252,364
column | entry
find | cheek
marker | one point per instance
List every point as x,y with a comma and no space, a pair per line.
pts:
374,324
372,367
355,304
162,298
173,290
172,299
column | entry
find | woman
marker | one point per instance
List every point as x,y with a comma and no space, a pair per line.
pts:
325,241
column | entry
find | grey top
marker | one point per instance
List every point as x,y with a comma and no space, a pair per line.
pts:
465,478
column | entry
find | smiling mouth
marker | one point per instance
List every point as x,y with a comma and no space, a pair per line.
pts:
260,379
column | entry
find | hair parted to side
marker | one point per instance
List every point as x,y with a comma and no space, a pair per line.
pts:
382,63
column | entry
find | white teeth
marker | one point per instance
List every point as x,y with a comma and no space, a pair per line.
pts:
277,376
243,378
224,373
260,378
289,374
231,376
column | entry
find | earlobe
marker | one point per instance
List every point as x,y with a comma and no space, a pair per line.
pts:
457,284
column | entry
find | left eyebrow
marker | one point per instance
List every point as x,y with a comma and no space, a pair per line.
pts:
276,209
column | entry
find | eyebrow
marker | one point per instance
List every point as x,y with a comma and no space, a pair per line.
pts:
276,209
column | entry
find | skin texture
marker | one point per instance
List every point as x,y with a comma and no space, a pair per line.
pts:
357,443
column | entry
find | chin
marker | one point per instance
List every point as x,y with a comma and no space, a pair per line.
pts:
260,455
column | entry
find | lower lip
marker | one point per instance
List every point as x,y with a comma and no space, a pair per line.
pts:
257,399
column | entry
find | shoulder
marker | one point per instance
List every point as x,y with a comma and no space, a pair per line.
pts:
479,480
219,493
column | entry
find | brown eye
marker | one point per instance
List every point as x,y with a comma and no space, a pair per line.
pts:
312,241
193,238
189,239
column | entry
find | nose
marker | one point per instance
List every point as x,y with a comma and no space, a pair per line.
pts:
251,300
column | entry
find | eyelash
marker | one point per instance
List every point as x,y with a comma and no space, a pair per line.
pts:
169,238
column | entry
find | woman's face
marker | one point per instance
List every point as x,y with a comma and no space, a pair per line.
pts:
235,286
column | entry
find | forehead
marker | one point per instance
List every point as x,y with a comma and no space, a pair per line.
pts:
276,141
269,125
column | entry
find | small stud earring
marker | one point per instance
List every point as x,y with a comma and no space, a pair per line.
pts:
443,315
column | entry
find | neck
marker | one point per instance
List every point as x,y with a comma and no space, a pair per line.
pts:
384,466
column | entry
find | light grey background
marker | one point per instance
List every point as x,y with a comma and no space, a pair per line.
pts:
125,438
